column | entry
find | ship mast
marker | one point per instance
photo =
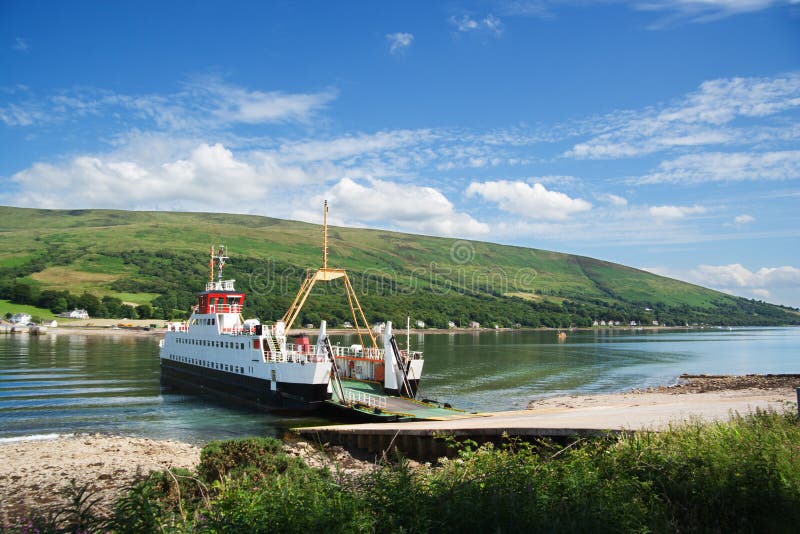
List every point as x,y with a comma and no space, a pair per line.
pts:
325,236
326,274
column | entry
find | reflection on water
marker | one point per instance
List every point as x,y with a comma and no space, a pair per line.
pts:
74,383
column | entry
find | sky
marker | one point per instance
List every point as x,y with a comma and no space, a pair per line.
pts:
660,134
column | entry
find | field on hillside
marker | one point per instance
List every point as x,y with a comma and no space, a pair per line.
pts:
160,258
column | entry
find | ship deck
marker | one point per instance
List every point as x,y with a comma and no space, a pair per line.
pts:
368,401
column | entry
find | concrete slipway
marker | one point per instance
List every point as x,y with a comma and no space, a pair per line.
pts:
563,417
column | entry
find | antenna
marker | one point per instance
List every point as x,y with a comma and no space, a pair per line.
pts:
325,236
211,265
221,257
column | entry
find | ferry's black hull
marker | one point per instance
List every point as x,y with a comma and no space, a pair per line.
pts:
247,390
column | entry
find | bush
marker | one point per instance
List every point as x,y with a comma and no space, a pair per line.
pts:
219,459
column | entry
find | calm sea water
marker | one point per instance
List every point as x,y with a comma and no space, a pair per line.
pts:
71,383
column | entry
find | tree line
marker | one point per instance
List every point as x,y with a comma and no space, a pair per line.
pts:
177,277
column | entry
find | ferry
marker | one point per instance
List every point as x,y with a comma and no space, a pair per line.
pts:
218,352
215,350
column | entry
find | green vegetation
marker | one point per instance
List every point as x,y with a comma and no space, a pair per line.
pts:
151,264
12,308
737,476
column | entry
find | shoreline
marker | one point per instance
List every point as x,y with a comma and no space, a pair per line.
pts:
35,468
146,331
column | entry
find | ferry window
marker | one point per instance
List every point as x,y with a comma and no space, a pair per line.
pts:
212,320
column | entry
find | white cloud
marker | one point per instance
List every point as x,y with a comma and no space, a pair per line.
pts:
534,202
399,41
614,200
704,10
670,12
354,145
743,219
400,206
489,23
701,118
674,212
203,177
726,166
22,45
774,284
203,104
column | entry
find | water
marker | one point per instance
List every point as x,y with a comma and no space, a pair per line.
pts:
63,384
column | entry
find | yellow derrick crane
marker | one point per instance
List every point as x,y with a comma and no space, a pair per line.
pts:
326,275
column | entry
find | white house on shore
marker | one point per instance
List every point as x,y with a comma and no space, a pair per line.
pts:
419,324
75,314
21,318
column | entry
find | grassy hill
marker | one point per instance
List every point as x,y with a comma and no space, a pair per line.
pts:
160,259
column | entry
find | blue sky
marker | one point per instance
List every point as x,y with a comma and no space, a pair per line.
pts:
661,134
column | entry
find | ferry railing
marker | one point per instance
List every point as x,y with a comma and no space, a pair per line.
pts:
365,353
292,355
362,397
225,308
411,355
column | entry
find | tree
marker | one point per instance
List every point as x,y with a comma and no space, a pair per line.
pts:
145,311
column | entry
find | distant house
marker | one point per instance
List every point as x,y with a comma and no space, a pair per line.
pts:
616,323
451,324
597,324
51,324
474,324
308,325
378,328
75,314
633,323
21,318
602,323
347,324
419,324
655,323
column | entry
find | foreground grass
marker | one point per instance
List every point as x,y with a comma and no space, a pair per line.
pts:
739,476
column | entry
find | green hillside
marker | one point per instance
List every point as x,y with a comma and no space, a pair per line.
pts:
152,263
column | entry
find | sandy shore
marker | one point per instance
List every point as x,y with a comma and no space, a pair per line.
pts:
33,472
692,391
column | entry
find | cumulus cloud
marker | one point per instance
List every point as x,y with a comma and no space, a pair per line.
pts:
399,41
701,118
398,205
674,212
743,219
532,201
726,167
205,176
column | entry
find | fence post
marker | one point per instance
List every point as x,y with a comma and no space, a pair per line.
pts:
798,401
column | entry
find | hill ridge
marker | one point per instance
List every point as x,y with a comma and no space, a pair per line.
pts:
159,258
